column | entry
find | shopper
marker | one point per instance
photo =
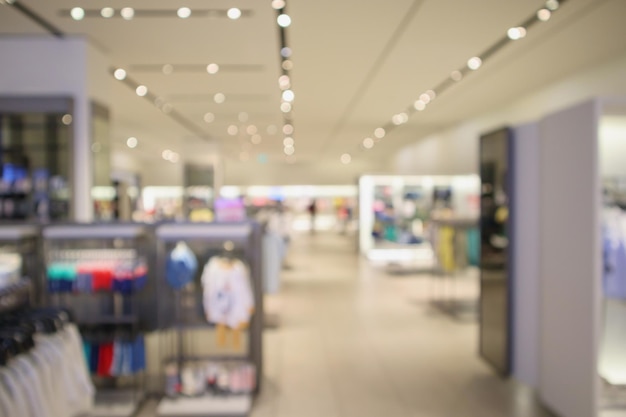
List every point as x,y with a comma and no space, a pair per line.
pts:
312,214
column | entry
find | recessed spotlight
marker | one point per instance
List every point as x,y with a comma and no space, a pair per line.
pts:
284,20
431,94
346,158
67,119
174,158
232,130
285,107
243,117
425,98
544,15
233,13
396,119
419,105
107,12
456,75
141,90
272,130
516,33
380,133
288,129
474,63
256,139
212,68
77,13
219,98
278,4
168,69
166,154
284,82
368,143
289,150
252,130
288,95
119,74
132,142
288,141
287,65
209,117
184,12
552,4
285,52
127,13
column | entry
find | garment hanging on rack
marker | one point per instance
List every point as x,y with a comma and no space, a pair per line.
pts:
614,253
181,266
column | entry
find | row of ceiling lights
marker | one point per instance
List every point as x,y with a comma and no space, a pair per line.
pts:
473,64
128,13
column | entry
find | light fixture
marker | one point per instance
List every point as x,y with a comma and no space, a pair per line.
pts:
287,65
252,130
368,143
456,75
288,141
119,74
256,139
284,82
67,119
132,142
209,117
141,90
516,33
425,98
107,12
288,129
284,20
77,13
289,95
278,4
168,69
184,12
232,130
431,94
289,150
419,105
212,68
285,52
272,130
174,158
285,107
379,133
243,117
474,63
346,158
166,154
127,13
219,98
544,15
396,119
233,13
552,4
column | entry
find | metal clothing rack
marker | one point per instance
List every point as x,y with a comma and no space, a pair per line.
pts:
180,310
446,297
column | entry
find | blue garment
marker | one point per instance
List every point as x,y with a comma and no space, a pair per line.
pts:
87,351
614,255
473,247
127,358
139,355
116,365
83,282
181,267
93,359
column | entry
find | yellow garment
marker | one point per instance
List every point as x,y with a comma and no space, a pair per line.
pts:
446,249
201,215
502,215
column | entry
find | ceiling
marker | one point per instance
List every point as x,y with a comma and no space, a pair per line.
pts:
356,63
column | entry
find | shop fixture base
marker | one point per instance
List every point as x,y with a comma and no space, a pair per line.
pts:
206,406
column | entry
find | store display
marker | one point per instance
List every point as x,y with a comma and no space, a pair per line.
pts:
216,378
181,266
115,357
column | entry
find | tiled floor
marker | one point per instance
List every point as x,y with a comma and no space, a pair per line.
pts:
356,342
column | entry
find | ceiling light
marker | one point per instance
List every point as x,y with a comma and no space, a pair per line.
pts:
77,13
516,33
141,90
243,117
132,142
168,69
552,4
232,130
166,154
272,130
167,108
431,94
425,98
174,158
234,13
209,117
252,130
256,139
285,52
184,12
288,95
212,68
456,75
127,13
289,150
284,82
219,98
288,129
119,74
288,141
287,65
474,63
368,143
419,105
278,4
284,20
544,15
285,107
107,12
396,119
67,119
346,158
379,133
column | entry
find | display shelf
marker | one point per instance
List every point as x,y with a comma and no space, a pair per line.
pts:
94,231
15,296
206,406
108,320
